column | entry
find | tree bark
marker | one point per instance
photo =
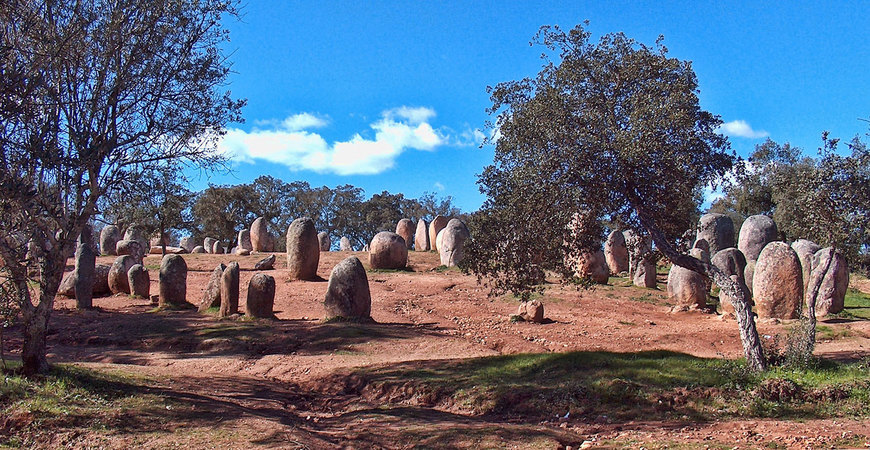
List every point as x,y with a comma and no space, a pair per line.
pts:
33,359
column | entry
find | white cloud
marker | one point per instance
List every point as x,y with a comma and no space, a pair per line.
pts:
741,128
289,142
438,186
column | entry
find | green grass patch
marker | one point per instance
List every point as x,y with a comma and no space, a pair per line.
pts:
856,305
402,270
827,333
442,268
647,298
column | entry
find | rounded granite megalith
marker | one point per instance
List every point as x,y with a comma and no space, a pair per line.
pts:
187,243
101,279
173,281
645,274
109,237
730,261
208,244
453,243
687,288
348,292
615,252
421,237
243,241
261,297
755,233
261,240
388,251
230,290
531,311
405,228
137,233
303,249
118,281
777,284
805,250
830,279
130,247
139,281
323,241
211,298
437,224
344,244
592,265
198,249
717,230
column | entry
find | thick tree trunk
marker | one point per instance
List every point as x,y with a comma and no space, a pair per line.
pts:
33,360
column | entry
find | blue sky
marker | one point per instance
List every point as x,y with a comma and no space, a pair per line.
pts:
392,95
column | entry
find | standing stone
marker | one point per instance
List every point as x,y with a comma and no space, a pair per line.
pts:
726,305
531,311
261,297
830,277
324,241
109,237
755,233
348,292
118,282
187,243
777,285
230,290
438,224
156,241
84,276
749,274
101,279
208,244
198,249
717,230
303,249
261,240
217,248
388,251
438,239
421,237
212,296
139,281
138,234
730,261
173,281
453,242
592,265
615,252
805,250
405,228
244,240
687,288
344,244
637,247
645,275
130,247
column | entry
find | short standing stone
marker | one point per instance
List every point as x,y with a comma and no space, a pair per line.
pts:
140,282
267,263
261,296
344,244
173,281
208,244
324,241
241,251
243,241
348,292
84,276
212,296
261,239
830,278
187,243
303,250
637,246
645,274
755,233
118,282
615,252
687,287
421,237
592,265
101,279
405,228
805,250
453,243
130,247
730,261
388,251
138,234
438,224
230,290
777,285
217,248
717,230
109,237
198,249
67,286
531,311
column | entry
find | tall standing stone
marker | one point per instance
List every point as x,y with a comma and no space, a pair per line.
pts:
173,281
303,249
453,242
260,301
388,251
323,241
261,240
405,228
805,250
139,281
717,230
645,274
109,237
777,285
244,240
615,252
118,282
212,296
438,224
344,244
830,279
421,237
208,244
230,290
348,292
755,233
85,264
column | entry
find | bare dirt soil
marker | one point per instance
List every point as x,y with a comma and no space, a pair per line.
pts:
274,383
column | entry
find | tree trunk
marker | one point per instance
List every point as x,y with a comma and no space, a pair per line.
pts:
33,360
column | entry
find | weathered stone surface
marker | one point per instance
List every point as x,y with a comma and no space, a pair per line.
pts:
198,249
805,250
344,244
130,247
173,281
405,228
139,281
109,237
243,241
637,247
830,278
170,250
208,244
217,248
726,305
187,243
303,249
137,233
348,292
531,311
101,279
453,242
67,286
645,274
212,296
717,230
323,241
438,224
241,251
267,263
388,251
118,282
615,252
755,233
777,285
85,262
156,241
592,265
730,261
687,288
421,237
261,297
749,274
230,290
261,239
438,239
